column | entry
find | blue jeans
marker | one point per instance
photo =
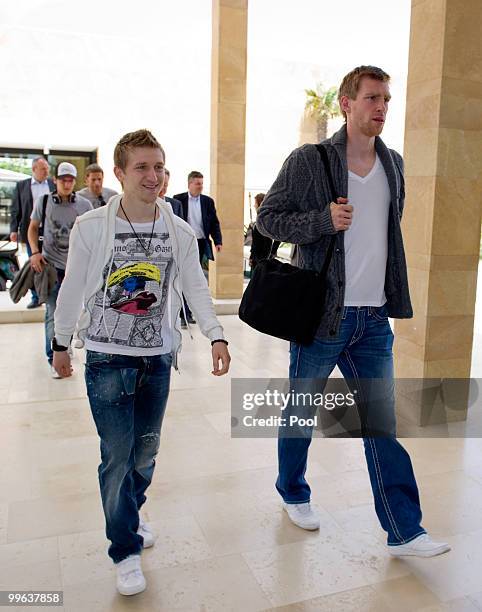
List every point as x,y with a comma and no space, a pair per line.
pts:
362,351
50,306
128,397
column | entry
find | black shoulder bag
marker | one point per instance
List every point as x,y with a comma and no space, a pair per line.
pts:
284,301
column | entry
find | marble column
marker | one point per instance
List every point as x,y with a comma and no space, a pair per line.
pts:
228,125
442,218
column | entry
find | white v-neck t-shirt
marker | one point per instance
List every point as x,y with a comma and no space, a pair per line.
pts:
366,241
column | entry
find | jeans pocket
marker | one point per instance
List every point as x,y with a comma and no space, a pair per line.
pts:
109,386
94,358
166,359
379,313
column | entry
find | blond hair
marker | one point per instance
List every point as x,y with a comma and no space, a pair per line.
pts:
134,140
351,82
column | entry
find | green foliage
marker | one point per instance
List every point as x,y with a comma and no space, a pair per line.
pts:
322,103
17,165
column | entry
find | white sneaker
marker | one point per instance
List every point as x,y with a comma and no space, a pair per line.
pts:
146,532
130,579
423,546
54,372
302,515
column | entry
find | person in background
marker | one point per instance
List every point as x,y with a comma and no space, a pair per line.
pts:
62,207
25,194
199,211
95,192
262,247
175,204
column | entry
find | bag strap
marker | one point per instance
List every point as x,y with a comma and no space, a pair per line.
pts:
42,225
324,158
44,208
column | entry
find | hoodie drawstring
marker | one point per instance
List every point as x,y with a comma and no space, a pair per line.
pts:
105,296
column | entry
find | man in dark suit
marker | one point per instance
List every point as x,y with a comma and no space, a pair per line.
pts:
25,195
199,211
175,204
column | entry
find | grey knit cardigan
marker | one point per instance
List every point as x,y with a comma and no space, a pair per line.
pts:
296,210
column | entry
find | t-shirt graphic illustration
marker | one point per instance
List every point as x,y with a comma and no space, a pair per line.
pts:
59,221
136,310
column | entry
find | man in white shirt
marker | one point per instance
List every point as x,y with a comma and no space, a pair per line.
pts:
366,278
199,211
26,193
129,262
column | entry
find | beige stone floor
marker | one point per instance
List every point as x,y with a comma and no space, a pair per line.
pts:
223,541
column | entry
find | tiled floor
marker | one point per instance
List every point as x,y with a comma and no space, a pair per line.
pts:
223,541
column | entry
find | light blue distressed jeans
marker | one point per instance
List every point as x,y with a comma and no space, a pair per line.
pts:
128,397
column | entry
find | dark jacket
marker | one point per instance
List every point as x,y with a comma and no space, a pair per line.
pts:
43,282
22,204
176,206
261,247
296,209
211,226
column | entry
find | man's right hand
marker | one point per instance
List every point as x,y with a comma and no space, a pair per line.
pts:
13,236
341,214
37,262
62,364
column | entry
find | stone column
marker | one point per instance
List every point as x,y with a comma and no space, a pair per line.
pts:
442,218
228,125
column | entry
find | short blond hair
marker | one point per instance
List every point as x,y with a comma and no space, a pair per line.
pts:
351,82
134,140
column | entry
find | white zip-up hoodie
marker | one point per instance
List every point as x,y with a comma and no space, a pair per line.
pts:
91,248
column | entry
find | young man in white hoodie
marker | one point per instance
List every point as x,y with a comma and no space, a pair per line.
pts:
129,263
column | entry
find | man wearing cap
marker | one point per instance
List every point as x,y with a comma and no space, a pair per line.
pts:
95,192
61,207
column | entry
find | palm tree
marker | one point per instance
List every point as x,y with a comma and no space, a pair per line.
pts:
322,104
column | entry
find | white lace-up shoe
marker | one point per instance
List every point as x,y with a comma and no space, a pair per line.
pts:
423,546
146,532
130,579
302,515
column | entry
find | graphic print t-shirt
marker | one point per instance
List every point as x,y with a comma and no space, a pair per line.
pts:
135,318
59,221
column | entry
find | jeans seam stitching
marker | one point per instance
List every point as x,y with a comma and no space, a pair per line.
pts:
356,337
419,533
376,316
377,469
298,355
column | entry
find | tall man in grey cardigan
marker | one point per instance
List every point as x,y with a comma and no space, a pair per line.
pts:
367,283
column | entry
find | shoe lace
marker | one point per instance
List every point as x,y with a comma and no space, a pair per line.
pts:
135,572
131,568
303,508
